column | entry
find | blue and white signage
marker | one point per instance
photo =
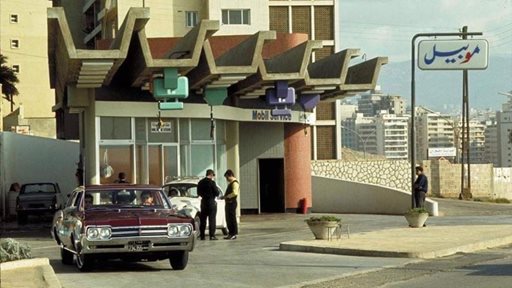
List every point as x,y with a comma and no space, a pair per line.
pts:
453,54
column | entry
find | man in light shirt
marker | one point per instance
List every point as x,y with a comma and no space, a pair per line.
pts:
230,197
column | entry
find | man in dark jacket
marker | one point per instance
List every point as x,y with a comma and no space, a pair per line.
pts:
420,188
207,190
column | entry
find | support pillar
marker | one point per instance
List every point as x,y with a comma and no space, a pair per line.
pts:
233,155
297,166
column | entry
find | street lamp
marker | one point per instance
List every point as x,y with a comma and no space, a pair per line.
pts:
361,138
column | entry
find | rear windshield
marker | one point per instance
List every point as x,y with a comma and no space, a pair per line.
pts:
38,188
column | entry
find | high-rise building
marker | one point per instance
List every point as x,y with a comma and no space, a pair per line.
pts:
434,130
23,40
504,131
386,135
372,103
491,143
392,136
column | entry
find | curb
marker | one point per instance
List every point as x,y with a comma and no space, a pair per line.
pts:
413,247
50,279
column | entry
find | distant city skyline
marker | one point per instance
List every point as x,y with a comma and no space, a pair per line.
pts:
385,28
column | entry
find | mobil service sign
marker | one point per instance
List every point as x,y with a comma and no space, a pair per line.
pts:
453,54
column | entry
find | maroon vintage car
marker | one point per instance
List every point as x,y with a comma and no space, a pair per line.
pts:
122,221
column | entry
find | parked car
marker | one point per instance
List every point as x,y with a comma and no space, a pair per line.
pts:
183,194
38,199
117,222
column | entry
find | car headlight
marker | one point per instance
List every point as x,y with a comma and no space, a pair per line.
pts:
179,230
98,233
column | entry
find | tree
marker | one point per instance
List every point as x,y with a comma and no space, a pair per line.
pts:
8,79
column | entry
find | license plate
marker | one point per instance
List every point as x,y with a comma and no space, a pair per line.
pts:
137,246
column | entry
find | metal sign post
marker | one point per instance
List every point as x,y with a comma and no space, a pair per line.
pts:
437,55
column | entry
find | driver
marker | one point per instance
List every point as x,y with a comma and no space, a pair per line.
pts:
147,198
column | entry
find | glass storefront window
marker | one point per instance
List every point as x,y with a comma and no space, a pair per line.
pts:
184,131
201,129
166,133
170,162
115,128
115,159
155,165
201,159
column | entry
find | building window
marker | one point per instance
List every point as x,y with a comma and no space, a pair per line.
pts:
192,18
236,16
16,68
15,43
14,18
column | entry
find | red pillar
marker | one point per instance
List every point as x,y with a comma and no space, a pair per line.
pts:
297,166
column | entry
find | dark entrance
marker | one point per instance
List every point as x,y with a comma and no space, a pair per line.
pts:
271,185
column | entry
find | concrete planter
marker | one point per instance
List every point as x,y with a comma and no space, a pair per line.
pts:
322,229
416,220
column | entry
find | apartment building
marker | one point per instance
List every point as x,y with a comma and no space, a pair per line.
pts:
392,136
434,130
23,40
504,132
477,154
491,143
372,103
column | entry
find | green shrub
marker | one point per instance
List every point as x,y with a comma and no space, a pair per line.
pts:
323,218
11,250
501,200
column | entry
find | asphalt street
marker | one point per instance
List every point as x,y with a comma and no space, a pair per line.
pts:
253,260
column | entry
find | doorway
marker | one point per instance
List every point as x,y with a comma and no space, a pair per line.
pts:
271,186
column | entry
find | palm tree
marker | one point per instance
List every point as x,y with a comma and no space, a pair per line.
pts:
8,79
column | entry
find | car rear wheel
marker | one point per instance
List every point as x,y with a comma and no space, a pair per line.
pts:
179,260
66,256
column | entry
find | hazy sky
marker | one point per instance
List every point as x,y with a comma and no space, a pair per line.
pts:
385,27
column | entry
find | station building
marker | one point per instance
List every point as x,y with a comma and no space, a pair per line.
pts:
174,106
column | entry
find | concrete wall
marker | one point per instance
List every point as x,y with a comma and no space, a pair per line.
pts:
502,183
257,141
444,177
394,174
25,159
341,196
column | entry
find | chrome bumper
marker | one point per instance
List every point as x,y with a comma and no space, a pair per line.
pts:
141,244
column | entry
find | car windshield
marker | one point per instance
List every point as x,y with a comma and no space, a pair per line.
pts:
124,198
38,188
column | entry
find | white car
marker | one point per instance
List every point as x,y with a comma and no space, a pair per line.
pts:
183,195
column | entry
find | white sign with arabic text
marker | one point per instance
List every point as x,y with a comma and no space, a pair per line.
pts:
461,54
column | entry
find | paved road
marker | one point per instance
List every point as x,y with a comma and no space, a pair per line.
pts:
254,260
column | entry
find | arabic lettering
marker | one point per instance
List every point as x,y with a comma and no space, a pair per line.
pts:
452,56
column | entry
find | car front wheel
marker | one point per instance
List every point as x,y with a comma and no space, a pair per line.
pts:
84,262
179,260
66,256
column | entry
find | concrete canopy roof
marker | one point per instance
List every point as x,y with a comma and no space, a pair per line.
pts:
208,62
290,65
236,64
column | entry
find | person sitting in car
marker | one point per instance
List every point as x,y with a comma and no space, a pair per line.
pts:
147,198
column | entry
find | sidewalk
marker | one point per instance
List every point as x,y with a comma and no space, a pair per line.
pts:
426,242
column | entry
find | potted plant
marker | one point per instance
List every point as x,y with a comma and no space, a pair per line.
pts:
323,226
416,217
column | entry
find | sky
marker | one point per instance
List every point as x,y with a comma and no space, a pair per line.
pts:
386,27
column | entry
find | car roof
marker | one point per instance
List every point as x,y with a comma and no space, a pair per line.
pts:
185,180
122,186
